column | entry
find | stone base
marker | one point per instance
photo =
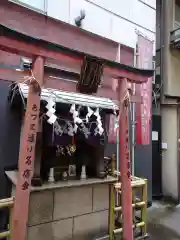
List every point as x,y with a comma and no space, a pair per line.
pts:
77,228
68,211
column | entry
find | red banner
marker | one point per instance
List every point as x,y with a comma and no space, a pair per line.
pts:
143,110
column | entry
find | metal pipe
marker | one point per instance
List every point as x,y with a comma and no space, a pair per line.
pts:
137,225
117,152
133,137
4,203
164,45
134,205
4,234
178,150
117,167
133,120
144,209
111,211
117,136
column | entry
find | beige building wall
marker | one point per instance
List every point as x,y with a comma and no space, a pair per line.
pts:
170,119
173,85
169,156
174,73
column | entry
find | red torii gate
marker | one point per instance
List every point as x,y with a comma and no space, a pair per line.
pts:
39,50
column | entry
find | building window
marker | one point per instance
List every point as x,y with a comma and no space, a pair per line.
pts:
36,5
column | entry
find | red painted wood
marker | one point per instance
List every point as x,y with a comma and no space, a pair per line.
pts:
26,156
122,73
125,167
54,82
9,58
127,55
31,50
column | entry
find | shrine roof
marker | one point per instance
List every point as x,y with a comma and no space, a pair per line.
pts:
34,43
71,98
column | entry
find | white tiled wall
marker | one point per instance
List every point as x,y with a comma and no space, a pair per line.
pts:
58,9
143,15
151,3
113,19
125,32
97,20
134,10
39,5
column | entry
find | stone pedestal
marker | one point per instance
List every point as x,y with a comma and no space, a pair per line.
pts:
68,210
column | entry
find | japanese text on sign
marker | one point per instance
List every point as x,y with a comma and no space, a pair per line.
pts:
31,141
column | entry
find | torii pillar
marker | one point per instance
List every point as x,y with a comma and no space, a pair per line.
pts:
27,152
125,165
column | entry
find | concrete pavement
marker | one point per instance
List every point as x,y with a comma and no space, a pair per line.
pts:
164,221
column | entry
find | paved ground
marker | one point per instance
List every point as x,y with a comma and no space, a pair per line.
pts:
163,233
164,222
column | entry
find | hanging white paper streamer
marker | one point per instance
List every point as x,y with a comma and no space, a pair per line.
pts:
99,129
77,120
75,128
51,110
85,130
50,103
89,114
114,110
70,131
58,129
116,124
52,119
73,108
75,115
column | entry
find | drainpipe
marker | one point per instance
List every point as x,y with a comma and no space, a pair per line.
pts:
165,32
178,151
118,142
134,118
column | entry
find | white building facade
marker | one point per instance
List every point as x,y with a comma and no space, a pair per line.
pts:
117,20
